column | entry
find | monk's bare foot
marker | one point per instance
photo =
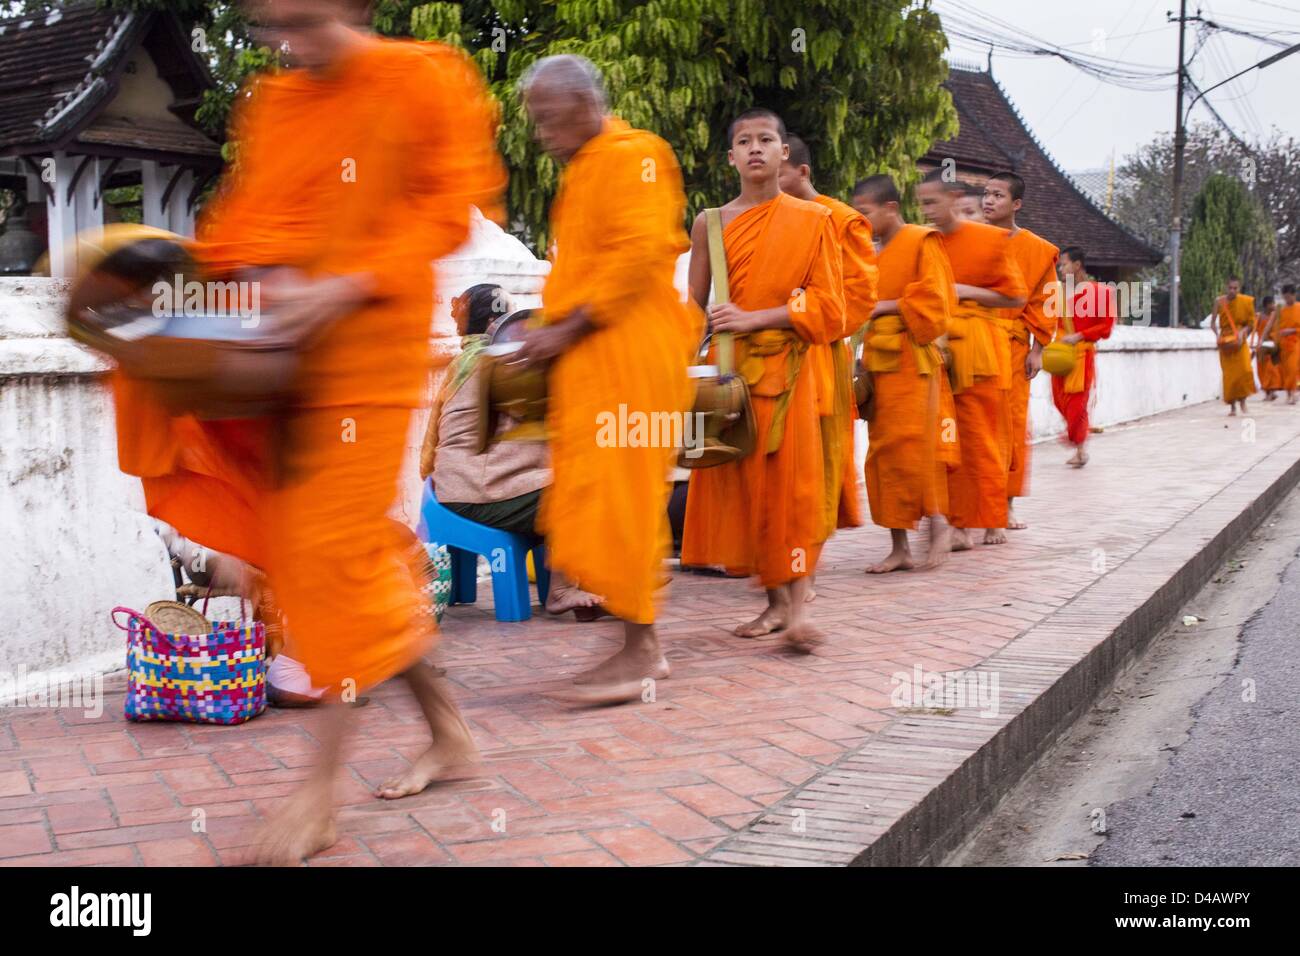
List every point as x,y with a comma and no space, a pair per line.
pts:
302,828
803,637
940,544
995,536
895,561
625,677
1080,458
961,540
772,619
1232,411
570,597
442,761
812,595
1014,523
1291,400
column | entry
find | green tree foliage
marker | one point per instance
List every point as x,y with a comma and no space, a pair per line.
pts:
1269,170
1228,234
859,81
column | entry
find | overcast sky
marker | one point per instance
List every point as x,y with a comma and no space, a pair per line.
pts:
1081,120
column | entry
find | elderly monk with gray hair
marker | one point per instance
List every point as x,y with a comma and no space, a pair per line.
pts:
618,339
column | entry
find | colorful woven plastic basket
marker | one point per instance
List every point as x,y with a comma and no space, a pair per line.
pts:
215,678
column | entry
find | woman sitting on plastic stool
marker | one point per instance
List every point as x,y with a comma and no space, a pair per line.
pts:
502,487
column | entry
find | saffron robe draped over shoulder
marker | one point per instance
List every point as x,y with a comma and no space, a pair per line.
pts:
1093,314
906,475
1238,373
369,168
1036,259
980,255
861,275
765,514
1288,317
616,395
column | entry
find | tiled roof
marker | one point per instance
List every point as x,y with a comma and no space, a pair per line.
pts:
993,136
57,69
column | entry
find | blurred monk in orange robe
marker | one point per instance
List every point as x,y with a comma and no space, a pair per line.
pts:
835,361
1030,328
620,339
766,513
1232,321
1288,339
906,471
345,192
986,280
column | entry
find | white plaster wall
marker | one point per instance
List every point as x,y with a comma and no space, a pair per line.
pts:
75,538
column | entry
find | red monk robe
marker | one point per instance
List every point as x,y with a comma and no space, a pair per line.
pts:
977,490
369,169
1092,310
765,514
605,514
858,262
1036,258
905,472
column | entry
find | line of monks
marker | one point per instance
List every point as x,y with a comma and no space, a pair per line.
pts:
952,321
1269,336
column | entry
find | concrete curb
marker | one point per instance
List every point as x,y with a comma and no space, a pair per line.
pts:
920,786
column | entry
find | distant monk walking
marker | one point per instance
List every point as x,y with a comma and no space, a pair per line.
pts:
1233,319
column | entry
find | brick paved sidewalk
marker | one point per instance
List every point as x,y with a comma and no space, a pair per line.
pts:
741,726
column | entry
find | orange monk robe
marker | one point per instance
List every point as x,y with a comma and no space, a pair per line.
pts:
1288,317
1238,375
765,514
1270,373
906,476
1036,259
617,238
858,263
980,255
343,173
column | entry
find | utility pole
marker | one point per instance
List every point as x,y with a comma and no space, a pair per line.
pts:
1180,143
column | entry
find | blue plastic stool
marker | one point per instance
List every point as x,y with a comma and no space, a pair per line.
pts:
506,553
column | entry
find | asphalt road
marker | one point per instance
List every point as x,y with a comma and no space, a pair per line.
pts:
1229,795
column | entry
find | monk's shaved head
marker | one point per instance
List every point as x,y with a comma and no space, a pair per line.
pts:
566,74
565,100
878,189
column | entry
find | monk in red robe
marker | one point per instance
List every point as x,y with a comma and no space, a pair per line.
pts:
906,469
1088,316
835,361
766,513
340,226
1031,327
619,339
987,279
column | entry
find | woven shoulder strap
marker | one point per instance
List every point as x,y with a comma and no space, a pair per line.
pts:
721,290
